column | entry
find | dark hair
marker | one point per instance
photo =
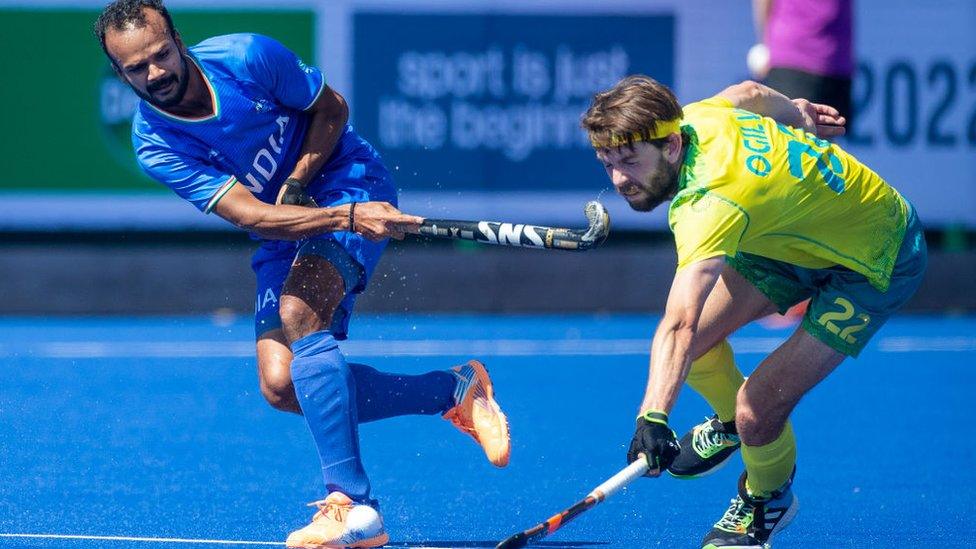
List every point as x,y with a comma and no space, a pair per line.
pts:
633,106
124,13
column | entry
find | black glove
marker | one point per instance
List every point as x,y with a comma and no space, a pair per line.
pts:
655,440
294,194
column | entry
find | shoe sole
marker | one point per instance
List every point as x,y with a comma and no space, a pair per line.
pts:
481,372
785,521
705,473
376,541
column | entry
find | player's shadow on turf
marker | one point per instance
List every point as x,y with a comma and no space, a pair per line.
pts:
490,544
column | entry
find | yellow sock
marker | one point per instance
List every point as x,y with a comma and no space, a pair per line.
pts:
769,466
715,377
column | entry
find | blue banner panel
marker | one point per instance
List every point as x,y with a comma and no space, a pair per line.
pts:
492,102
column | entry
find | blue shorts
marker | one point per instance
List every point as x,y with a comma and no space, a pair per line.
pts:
355,179
845,309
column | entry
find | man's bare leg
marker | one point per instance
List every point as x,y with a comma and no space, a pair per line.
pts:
733,303
274,371
765,503
311,295
766,400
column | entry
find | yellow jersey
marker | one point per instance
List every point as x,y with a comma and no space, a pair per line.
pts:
750,184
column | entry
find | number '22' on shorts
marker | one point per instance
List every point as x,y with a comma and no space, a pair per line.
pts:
845,309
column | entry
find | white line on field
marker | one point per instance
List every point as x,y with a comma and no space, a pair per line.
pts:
132,538
437,347
160,540
361,348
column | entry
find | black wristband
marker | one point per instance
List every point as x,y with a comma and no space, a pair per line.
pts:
352,217
654,416
292,182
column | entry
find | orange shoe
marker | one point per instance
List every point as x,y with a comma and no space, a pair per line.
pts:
340,523
476,413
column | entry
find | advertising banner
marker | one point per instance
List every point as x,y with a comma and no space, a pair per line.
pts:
68,158
915,98
493,102
475,104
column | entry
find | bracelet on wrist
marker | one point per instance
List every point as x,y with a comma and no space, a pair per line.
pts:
352,217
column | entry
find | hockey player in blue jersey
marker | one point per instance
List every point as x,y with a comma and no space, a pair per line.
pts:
237,125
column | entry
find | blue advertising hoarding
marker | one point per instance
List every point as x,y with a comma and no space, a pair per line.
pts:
492,102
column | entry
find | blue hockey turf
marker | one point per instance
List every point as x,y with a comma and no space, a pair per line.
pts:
155,429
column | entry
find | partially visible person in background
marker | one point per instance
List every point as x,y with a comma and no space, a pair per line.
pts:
805,49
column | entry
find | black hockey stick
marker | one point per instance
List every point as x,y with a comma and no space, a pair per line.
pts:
523,235
624,477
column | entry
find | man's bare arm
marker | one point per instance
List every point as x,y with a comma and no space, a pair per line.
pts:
327,120
671,348
822,120
760,15
374,220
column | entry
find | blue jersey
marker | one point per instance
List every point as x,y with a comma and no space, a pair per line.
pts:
260,92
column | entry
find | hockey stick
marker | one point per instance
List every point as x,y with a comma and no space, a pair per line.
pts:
624,477
526,236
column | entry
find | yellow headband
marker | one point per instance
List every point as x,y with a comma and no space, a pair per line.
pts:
661,130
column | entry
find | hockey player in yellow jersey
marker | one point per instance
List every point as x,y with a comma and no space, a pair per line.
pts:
765,213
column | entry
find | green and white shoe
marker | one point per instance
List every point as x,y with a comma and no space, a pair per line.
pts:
705,448
751,522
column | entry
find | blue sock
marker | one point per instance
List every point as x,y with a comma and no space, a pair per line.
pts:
381,395
326,391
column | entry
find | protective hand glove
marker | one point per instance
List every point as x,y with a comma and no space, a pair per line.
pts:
293,193
656,441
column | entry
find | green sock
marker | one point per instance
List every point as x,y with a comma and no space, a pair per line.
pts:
769,466
715,377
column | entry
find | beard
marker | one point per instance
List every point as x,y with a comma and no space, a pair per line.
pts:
660,186
178,93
